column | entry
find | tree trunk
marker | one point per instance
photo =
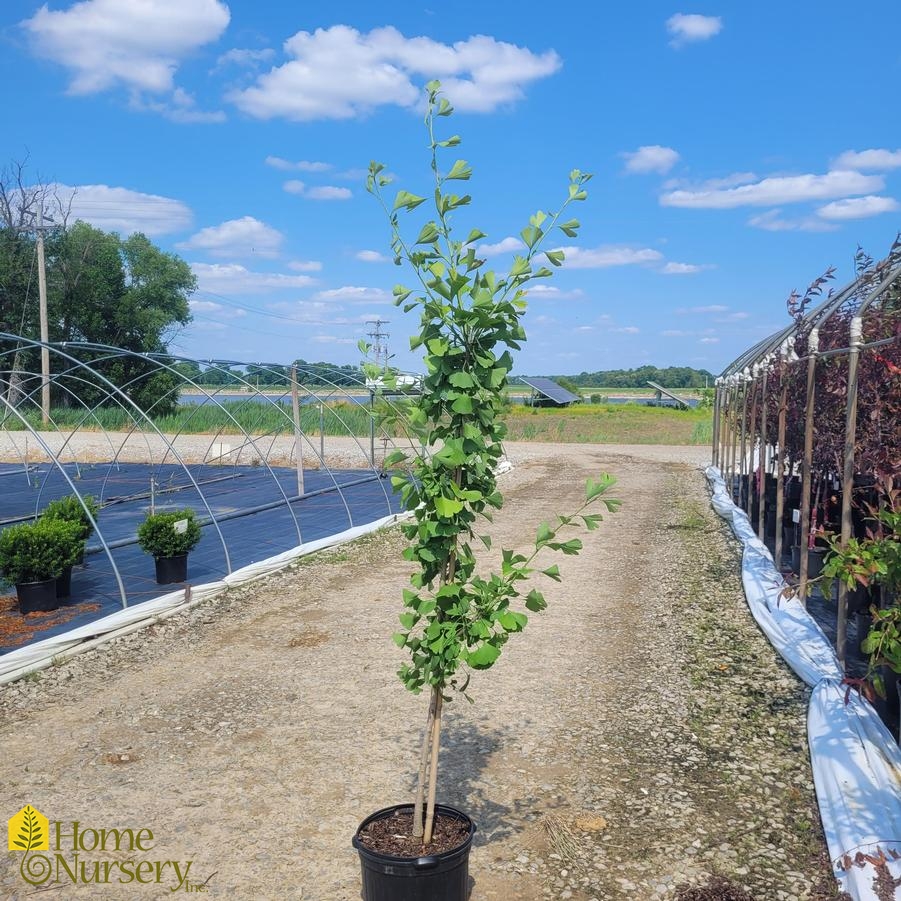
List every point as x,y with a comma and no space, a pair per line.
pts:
423,769
433,768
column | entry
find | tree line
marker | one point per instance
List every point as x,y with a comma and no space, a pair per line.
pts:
669,377
101,288
271,375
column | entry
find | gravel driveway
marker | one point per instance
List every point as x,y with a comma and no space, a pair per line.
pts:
637,736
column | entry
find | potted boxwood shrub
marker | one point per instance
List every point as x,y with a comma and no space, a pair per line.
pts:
71,509
456,620
84,514
169,538
34,555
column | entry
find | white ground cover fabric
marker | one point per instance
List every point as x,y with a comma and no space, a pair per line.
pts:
856,762
41,654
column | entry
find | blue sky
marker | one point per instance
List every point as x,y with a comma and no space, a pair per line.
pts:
737,149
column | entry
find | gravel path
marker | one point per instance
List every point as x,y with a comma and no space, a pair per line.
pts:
638,736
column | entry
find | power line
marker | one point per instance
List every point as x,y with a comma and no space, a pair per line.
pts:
247,328
224,301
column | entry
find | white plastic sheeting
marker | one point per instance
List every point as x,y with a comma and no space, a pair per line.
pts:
42,654
856,762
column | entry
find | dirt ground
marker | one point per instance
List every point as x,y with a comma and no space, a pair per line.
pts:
638,735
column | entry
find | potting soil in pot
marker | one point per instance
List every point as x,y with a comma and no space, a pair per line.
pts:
393,835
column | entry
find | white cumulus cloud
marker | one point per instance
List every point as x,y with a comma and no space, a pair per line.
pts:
858,208
371,256
284,165
626,330
232,278
217,309
355,294
878,159
179,106
317,192
328,192
305,265
651,158
541,291
133,43
774,221
687,28
777,189
713,184
308,312
242,237
608,255
125,211
506,245
673,268
244,58
340,73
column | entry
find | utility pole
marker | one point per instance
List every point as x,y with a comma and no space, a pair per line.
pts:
45,335
379,350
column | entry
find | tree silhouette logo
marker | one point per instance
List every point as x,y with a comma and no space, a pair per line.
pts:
29,830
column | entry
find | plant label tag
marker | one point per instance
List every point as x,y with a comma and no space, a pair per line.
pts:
180,527
796,516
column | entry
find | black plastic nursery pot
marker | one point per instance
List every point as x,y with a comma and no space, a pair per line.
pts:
860,600
64,583
437,877
171,569
37,597
815,558
796,559
863,621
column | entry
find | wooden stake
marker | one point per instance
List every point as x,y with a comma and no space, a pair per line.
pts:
423,769
433,768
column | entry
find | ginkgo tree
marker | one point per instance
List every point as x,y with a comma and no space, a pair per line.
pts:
455,619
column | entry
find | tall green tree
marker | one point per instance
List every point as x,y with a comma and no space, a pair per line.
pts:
456,617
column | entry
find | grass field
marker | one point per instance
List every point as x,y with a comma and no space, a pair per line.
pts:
233,417
585,423
610,424
637,392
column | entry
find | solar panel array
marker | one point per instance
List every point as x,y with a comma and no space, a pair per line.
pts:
549,388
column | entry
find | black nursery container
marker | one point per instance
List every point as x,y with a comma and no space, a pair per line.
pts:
37,597
64,583
170,570
437,877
